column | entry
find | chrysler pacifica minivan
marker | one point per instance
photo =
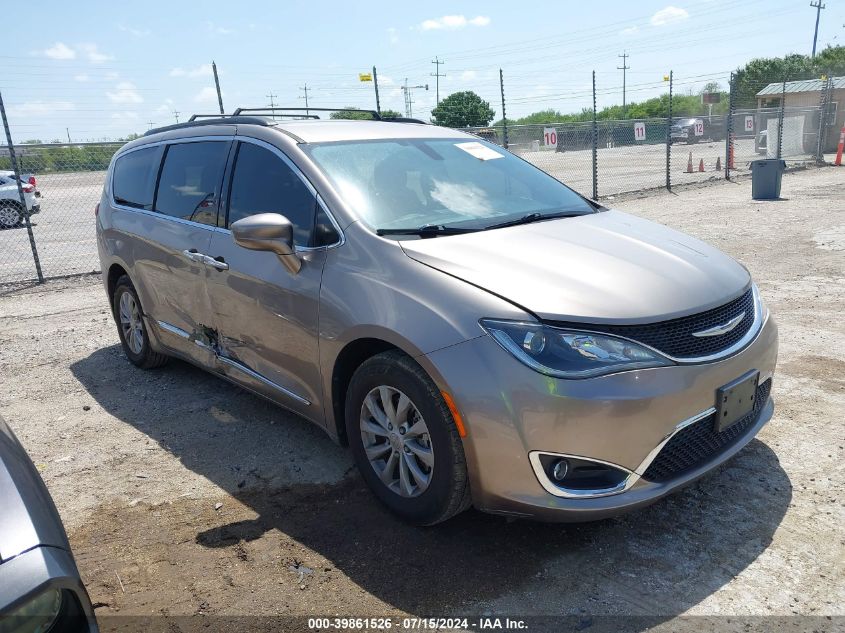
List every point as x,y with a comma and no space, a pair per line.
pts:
475,331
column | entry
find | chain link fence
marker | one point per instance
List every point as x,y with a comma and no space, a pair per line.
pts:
796,121
66,182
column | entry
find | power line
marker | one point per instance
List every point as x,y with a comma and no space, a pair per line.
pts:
624,68
437,75
818,6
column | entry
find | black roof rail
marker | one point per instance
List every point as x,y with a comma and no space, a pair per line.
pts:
402,119
376,116
225,119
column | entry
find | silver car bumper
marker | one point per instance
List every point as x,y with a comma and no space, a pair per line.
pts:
514,414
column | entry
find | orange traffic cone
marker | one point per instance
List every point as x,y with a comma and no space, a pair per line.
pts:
718,163
689,164
701,165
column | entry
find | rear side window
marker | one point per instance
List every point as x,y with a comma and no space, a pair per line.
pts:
190,180
133,180
263,183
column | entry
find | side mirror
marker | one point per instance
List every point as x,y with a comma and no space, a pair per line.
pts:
268,232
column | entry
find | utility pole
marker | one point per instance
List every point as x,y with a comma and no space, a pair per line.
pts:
818,6
217,85
409,97
271,96
67,129
437,76
150,123
504,114
176,116
624,67
305,90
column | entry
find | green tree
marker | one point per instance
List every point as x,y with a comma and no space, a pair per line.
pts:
463,109
361,116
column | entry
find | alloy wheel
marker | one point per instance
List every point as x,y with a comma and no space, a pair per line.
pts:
9,216
130,323
396,441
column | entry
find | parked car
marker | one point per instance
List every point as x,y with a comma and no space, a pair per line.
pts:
11,209
690,130
40,587
475,331
26,178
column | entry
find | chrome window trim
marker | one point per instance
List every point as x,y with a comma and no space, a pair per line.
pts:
190,139
296,170
219,229
633,475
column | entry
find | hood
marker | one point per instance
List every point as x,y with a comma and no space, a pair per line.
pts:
607,267
28,517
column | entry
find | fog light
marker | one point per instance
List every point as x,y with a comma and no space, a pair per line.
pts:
559,470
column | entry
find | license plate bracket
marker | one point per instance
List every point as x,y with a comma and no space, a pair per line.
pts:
735,400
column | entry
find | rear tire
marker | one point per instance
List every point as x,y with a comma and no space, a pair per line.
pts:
11,214
134,337
414,432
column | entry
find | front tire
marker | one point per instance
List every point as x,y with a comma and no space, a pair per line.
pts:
404,440
128,315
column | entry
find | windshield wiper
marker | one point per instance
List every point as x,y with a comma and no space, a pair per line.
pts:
534,217
427,230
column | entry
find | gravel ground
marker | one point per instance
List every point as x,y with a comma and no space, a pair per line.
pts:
183,495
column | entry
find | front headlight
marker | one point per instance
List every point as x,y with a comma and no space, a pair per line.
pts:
34,616
570,353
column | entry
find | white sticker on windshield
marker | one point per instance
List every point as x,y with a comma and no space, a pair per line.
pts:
481,152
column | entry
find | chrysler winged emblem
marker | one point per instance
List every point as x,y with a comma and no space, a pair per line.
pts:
718,330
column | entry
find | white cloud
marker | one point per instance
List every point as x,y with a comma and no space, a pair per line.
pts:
125,93
126,115
82,77
134,31
40,108
93,53
206,95
453,22
631,30
59,50
468,74
668,15
215,28
393,35
200,71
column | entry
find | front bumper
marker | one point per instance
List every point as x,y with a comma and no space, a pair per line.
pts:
511,411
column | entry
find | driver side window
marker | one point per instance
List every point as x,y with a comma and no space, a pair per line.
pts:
263,183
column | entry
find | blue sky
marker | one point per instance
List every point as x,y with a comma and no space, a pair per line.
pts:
105,69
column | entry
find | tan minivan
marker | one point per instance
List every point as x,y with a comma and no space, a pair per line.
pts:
475,331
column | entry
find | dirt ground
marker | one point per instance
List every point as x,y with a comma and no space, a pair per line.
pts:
184,495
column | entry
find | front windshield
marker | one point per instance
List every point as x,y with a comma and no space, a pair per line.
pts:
401,183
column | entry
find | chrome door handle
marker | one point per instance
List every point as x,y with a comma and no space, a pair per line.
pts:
193,256
215,263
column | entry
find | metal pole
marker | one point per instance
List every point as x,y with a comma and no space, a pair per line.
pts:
595,144
504,114
217,85
827,95
669,137
14,160
818,6
729,131
780,117
375,83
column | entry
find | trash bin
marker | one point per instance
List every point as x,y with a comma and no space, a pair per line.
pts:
765,178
